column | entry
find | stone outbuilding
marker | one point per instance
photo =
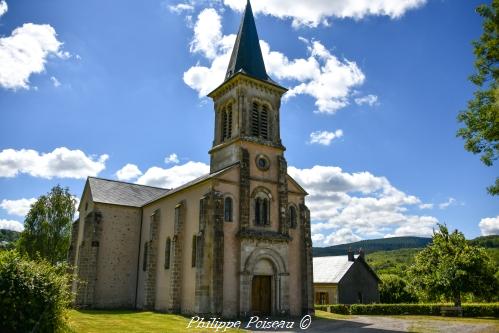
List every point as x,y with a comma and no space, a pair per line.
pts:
232,243
345,280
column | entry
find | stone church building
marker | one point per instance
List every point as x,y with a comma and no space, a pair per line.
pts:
235,242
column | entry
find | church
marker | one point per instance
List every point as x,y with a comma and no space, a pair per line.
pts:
234,243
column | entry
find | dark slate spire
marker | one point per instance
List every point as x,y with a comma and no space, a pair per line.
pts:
247,55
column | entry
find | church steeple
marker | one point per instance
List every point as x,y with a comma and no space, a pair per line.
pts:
247,55
247,103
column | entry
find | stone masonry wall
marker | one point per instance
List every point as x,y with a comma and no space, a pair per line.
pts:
152,258
176,275
244,190
87,263
307,261
283,195
210,256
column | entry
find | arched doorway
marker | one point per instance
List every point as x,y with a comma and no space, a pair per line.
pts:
264,284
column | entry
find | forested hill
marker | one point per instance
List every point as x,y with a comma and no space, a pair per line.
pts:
373,245
8,235
396,243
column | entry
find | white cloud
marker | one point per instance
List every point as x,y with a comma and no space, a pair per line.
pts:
366,205
128,172
426,206
61,163
370,100
55,82
11,225
180,8
19,207
314,12
3,7
489,226
172,159
447,204
342,236
25,52
321,75
174,176
207,33
317,238
324,137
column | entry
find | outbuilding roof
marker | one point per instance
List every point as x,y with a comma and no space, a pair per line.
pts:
124,194
331,269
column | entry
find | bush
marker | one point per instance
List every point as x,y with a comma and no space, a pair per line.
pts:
395,309
481,310
469,310
34,295
394,289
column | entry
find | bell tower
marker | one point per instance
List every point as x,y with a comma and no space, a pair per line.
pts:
247,103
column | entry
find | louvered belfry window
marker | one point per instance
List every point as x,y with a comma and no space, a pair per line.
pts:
260,121
227,122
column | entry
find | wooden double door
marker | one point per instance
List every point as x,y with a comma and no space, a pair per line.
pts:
261,295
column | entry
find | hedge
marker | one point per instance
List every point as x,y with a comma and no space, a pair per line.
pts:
34,295
469,310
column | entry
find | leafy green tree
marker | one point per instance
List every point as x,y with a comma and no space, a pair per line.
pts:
450,267
394,289
47,227
481,119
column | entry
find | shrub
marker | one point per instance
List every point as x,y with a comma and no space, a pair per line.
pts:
395,309
469,310
340,309
34,295
394,289
481,310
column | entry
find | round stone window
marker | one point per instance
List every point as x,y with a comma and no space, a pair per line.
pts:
262,162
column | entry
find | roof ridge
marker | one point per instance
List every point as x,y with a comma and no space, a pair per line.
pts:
128,183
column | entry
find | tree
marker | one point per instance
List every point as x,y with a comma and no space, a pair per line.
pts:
47,227
393,289
481,119
449,267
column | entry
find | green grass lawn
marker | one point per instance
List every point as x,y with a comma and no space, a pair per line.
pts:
150,322
130,322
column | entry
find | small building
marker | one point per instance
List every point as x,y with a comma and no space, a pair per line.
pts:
345,280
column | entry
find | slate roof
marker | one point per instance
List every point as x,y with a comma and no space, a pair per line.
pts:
247,55
123,194
192,183
331,269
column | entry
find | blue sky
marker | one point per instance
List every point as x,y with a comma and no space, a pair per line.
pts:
87,88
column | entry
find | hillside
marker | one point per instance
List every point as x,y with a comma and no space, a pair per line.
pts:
7,237
395,255
373,245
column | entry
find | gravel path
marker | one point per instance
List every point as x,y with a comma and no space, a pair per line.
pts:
379,324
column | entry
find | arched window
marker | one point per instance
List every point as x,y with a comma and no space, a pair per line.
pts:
260,121
167,252
228,209
292,217
227,122
262,210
